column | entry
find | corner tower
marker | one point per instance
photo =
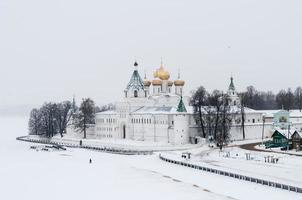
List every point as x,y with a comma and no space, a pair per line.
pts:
181,124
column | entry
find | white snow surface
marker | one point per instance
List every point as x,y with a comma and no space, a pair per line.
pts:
29,174
74,138
278,149
286,171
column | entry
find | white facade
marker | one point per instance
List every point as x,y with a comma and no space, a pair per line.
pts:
149,112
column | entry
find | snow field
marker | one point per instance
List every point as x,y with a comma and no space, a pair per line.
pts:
29,174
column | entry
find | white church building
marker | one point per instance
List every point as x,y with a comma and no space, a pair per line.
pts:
157,111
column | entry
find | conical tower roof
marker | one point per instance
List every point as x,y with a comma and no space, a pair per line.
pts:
181,106
136,81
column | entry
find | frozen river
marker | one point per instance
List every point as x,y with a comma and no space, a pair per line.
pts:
29,174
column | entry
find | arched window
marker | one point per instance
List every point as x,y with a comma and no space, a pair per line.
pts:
135,93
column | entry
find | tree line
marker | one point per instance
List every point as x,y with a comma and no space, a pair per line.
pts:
53,118
213,113
285,98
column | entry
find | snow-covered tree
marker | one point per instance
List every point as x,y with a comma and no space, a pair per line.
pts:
64,113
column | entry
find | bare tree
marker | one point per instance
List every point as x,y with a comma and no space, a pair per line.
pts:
243,99
285,99
63,115
259,100
298,98
49,126
85,116
209,120
34,123
225,120
198,101
215,102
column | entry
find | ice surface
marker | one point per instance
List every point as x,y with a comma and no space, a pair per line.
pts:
29,174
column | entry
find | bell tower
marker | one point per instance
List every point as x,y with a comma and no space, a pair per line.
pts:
135,87
232,94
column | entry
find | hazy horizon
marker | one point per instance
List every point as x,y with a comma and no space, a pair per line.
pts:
52,50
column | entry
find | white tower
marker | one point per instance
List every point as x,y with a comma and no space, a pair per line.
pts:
181,125
232,94
135,87
170,85
147,85
156,83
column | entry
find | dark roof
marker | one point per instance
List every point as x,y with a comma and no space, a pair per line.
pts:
135,82
277,133
181,106
232,86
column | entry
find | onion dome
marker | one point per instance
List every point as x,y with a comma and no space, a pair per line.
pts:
170,83
161,73
179,82
157,82
147,83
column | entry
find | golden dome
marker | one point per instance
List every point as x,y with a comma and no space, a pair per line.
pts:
179,82
157,82
161,73
170,83
147,83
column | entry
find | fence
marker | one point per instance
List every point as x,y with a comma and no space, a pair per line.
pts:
233,175
70,145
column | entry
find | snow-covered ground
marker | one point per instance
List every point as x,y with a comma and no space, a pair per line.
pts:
286,171
30,174
293,151
119,143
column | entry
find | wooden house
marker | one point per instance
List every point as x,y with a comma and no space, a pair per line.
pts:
279,139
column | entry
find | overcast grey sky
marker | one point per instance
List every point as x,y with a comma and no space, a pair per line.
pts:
50,50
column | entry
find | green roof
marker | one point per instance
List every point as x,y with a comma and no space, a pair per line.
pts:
135,83
181,106
232,86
